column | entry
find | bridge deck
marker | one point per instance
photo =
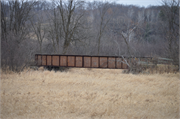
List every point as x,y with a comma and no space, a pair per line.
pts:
83,61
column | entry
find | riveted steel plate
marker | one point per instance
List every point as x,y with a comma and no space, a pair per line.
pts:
63,61
44,60
39,60
71,61
118,63
95,62
111,63
49,60
103,62
55,60
79,62
87,62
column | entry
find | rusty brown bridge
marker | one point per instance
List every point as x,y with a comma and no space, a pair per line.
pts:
84,61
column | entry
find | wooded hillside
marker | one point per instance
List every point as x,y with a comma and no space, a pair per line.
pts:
86,28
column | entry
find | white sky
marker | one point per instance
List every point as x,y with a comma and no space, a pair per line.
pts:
140,3
144,3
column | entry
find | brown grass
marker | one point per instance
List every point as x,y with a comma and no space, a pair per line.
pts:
83,93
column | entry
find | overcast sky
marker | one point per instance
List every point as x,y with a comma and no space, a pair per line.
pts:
140,3
144,3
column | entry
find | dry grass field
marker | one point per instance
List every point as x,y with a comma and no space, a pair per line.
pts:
89,93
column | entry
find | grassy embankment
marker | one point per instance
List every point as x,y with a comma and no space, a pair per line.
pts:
83,93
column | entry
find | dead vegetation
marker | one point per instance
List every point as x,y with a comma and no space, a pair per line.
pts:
153,69
83,93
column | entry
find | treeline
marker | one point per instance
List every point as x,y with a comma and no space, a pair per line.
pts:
86,28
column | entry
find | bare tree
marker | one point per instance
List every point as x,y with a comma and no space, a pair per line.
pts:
15,15
18,15
102,8
39,29
170,16
55,27
127,32
71,21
